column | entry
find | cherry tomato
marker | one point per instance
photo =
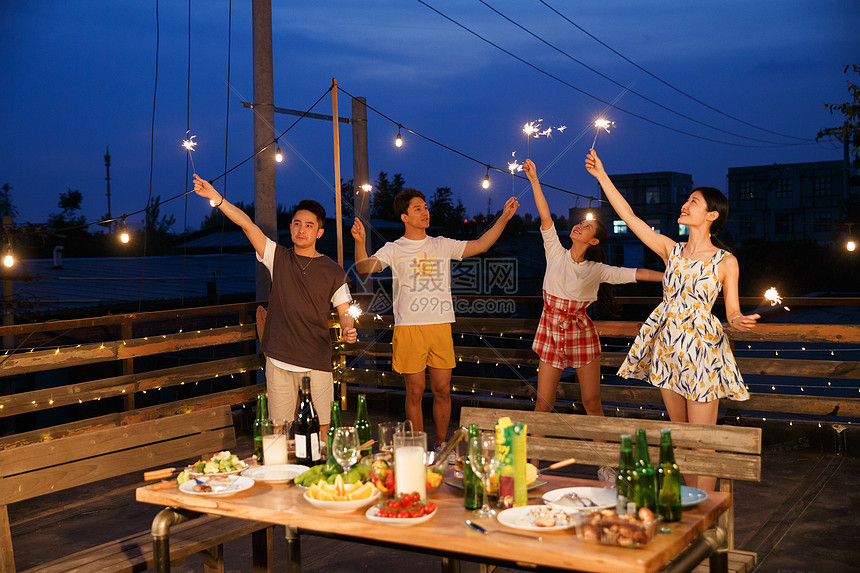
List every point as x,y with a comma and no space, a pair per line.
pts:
416,513
429,508
394,504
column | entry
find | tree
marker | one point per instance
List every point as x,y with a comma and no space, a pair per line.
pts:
154,226
69,203
444,214
7,208
384,192
215,217
851,111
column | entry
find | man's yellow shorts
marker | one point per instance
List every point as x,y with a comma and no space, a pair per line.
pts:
417,346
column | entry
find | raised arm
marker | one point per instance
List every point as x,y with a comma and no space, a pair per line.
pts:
232,212
647,275
728,273
540,200
658,243
363,263
488,239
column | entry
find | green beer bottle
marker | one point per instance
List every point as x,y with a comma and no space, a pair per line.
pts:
473,491
668,481
259,423
625,481
333,425
362,424
646,480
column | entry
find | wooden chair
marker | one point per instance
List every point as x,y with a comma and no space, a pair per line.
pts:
735,451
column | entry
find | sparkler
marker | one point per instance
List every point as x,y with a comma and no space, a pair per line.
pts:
774,304
513,167
599,124
533,129
354,310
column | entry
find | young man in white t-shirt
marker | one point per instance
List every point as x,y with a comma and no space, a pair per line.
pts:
423,306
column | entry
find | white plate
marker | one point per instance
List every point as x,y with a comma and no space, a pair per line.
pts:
280,473
520,518
221,485
400,521
342,506
690,496
603,498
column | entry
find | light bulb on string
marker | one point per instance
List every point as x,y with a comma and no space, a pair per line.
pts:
8,260
589,216
486,182
850,246
279,157
123,234
398,142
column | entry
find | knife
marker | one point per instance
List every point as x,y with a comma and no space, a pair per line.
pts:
477,527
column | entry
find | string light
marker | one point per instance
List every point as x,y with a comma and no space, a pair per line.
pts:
398,142
486,182
124,237
8,259
589,216
279,157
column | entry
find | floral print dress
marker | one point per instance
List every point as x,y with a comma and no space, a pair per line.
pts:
682,346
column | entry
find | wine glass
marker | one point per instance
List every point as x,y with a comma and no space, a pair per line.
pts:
344,446
483,461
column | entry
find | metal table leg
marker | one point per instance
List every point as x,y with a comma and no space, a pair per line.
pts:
161,535
294,550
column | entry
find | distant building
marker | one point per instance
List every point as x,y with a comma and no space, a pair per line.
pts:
656,198
786,202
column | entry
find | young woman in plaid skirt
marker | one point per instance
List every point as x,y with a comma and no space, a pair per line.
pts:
566,337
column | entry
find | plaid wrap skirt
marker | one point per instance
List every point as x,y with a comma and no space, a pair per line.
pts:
565,337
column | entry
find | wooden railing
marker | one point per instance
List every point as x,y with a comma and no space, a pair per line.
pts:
67,376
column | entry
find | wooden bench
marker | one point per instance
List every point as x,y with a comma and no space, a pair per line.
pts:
36,469
595,441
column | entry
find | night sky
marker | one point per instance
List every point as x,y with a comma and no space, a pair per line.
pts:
80,76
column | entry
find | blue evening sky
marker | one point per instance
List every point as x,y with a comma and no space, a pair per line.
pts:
78,76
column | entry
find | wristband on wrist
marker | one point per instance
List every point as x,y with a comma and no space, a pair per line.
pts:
221,201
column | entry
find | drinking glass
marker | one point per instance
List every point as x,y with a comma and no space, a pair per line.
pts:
386,431
275,442
482,459
344,446
410,473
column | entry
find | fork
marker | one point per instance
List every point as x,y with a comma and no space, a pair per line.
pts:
573,496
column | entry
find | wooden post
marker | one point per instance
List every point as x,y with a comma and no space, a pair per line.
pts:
338,217
127,364
265,203
361,176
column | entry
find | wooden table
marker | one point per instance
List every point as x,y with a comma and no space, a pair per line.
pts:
447,535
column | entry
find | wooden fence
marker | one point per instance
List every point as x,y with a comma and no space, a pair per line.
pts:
146,364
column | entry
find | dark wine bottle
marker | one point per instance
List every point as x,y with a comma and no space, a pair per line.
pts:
307,428
333,425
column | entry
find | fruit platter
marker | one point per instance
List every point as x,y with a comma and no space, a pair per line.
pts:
340,496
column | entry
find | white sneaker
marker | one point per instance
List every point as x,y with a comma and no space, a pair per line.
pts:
606,473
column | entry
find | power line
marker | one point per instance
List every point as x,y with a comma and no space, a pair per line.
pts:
627,88
592,96
665,83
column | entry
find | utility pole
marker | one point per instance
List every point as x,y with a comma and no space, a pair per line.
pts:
107,178
843,134
265,201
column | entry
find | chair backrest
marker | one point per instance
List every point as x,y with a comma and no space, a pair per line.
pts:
35,469
735,452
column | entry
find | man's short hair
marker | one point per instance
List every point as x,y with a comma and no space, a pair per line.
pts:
314,207
401,201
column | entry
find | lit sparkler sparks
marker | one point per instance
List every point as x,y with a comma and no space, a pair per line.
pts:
532,128
354,310
189,143
772,296
603,124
